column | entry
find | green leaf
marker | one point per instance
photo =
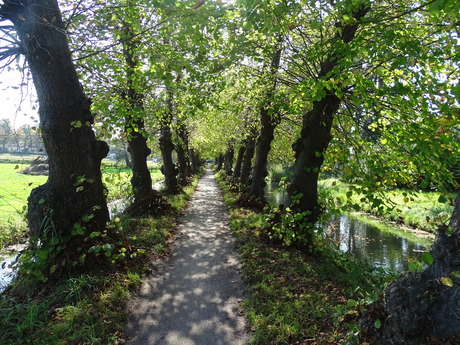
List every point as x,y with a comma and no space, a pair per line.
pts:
427,258
447,281
442,199
377,324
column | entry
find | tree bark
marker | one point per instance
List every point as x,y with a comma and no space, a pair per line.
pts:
167,146
268,123
247,159
263,147
134,127
239,160
183,158
316,134
228,160
74,187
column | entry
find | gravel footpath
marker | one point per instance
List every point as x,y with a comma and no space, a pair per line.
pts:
194,296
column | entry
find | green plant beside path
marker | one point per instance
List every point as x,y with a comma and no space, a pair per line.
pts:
296,297
89,308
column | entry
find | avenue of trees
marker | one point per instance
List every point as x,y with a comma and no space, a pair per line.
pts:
365,90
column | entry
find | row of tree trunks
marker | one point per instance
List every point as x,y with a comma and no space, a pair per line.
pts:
74,187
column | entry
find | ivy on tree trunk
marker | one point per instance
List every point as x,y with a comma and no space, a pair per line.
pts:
73,193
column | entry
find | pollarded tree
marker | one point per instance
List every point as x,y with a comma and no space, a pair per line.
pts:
317,123
72,201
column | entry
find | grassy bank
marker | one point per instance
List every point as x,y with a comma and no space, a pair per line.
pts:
421,210
295,297
14,191
16,188
90,308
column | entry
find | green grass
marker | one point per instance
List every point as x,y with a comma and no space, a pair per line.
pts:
16,188
294,297
14,191
420,210
89,308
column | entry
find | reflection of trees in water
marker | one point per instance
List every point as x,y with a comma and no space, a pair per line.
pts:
369,243
363,240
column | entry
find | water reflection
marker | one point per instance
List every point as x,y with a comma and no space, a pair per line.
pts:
363,240
8,265
367,242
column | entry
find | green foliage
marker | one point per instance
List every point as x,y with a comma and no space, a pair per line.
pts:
89,308
295,296
420,210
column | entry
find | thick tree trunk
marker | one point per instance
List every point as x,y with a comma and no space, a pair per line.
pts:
219,162
316,134
137,142
194,161
247,159
167,146
239,160
139,151
310,149
74,187
169,168
183,158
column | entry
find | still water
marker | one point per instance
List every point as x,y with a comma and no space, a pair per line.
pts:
384,246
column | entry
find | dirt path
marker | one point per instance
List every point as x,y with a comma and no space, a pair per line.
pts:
194,297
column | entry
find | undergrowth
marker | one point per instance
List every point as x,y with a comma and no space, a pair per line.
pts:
88,308
296,297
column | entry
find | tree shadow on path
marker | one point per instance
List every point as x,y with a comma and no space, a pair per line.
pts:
194,297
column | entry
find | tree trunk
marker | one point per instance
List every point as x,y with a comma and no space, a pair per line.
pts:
194,161
247,159
263,147
219,162
137,142
268,124
167,146
139,151
74,187
239,160
228,160
169,168
316,135
183,158
310,149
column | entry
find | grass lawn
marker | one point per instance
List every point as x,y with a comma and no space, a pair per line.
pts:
15,188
